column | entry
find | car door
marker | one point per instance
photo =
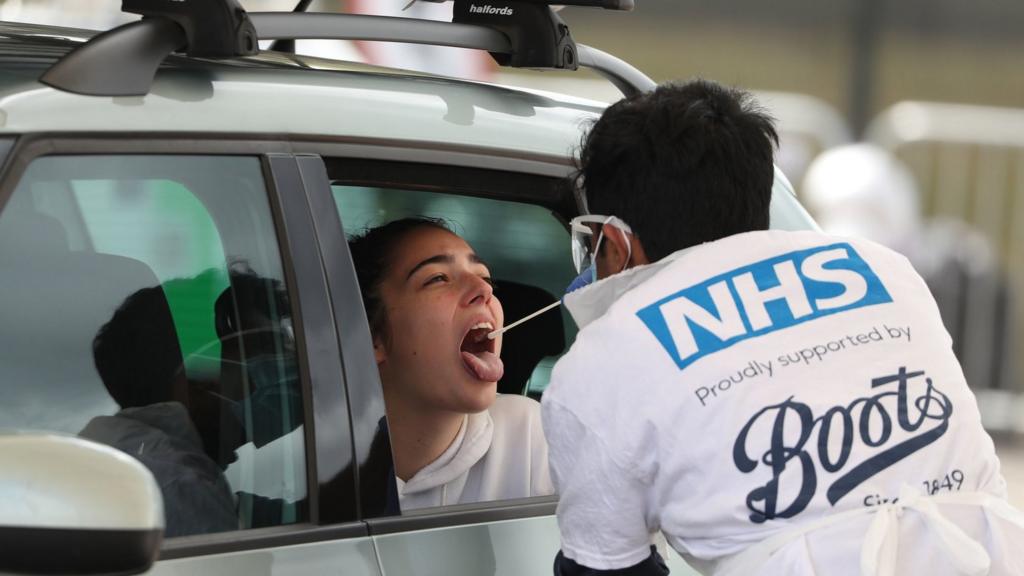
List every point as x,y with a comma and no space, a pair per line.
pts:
508,218
166,297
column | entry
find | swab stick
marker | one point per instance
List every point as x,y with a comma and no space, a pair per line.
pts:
493,335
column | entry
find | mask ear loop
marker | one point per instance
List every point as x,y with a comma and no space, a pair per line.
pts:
597,248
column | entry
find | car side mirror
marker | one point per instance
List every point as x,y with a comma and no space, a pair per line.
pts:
72,506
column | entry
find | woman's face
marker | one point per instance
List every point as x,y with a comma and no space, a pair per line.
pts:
439,307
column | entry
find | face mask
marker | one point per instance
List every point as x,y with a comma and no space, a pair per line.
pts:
274,407
585,278
585,308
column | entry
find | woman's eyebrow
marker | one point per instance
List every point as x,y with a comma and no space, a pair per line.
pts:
478,260
438,259
445,259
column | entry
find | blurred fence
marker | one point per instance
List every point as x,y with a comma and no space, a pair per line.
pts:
807,126
969,164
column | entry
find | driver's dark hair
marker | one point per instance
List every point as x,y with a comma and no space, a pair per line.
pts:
373,253
685,164
137,353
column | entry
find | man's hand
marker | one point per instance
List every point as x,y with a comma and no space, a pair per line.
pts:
654,565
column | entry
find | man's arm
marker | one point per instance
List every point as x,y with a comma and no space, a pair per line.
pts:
602,508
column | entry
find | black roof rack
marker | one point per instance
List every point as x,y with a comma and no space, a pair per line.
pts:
517,33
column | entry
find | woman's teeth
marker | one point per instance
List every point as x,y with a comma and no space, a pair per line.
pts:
478,355
485,328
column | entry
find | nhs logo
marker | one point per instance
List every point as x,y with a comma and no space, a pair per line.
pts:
761,298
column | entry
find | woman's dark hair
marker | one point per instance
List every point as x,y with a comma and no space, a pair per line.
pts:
372,253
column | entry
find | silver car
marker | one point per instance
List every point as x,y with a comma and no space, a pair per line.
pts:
170,175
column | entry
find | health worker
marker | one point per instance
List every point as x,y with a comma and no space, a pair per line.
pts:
871,460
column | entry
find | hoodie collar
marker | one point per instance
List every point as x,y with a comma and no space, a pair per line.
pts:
469,446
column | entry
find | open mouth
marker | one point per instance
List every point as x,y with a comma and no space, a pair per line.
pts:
478,353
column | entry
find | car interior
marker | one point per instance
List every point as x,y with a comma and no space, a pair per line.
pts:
514,221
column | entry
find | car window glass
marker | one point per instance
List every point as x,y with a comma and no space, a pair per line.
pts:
145,307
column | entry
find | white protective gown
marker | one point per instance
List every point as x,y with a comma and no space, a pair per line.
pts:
499,454
774,403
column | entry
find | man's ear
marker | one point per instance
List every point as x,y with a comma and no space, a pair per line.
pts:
623,246
639,256
616,248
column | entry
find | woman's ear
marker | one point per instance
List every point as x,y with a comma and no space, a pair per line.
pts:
380,353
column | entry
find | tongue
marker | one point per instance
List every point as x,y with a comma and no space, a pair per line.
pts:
486,366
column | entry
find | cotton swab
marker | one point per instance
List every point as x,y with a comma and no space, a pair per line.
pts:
493,335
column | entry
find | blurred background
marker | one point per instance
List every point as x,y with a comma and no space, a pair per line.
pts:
901,121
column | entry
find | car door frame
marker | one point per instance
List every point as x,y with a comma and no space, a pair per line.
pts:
399,160
328,458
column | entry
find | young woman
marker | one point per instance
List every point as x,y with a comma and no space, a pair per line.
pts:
430,304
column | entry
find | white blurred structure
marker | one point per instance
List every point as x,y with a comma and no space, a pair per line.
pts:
863,190
807,125
969,164
457,62
87,14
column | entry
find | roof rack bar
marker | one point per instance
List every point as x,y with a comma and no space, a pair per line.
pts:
629,80
310,25
623,5
330,26
289,45
517,33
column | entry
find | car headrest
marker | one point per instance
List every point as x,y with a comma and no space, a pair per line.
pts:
55,301
526,345
27,234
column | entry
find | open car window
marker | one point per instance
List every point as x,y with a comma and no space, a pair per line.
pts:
526,248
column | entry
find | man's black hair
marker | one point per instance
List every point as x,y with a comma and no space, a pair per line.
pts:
137,353
372,254
682,165
253,307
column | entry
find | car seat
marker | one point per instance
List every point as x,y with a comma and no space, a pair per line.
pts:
54,302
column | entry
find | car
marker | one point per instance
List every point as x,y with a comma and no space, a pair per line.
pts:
171,196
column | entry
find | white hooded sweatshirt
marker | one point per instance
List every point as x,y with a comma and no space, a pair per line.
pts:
774,403
498,454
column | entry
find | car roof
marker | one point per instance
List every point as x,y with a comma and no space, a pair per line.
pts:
276,94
